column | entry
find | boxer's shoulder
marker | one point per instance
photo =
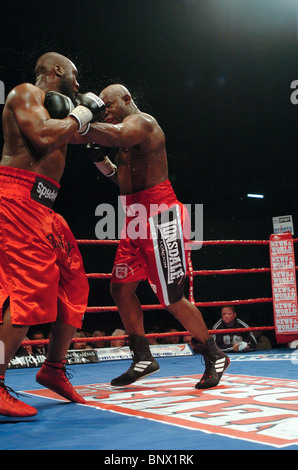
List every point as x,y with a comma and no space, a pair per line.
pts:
27,92
141,119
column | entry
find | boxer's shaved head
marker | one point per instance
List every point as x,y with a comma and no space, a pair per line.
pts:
49,61
55,68
115,91
118,101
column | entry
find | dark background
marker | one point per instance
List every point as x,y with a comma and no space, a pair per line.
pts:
217,76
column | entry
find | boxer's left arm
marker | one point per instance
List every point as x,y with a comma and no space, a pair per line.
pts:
134,129
99,155
45,134
27,103
77,139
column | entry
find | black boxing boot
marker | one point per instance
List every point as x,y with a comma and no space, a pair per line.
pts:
216,362
143,363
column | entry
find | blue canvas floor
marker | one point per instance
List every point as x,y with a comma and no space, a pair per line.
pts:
60,425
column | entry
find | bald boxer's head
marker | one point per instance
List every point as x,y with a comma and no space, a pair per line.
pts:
55,72
119,103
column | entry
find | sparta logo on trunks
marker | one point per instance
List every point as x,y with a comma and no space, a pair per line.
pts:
169,253
57,242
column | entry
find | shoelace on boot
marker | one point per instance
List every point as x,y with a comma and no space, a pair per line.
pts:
8,390
67,374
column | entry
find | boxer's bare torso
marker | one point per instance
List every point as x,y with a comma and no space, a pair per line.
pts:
32,140
144,164
141,158
26,139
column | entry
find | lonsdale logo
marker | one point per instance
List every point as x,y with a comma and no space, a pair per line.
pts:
170,255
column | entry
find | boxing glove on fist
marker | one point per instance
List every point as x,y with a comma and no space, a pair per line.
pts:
58,106
88,108
99,156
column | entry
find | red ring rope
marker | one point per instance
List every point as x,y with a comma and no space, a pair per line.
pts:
191,274
195,242
93,339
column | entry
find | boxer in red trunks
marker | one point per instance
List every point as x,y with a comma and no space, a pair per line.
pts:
141,171
41,271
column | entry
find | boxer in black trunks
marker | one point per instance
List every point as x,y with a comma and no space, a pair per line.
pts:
141,171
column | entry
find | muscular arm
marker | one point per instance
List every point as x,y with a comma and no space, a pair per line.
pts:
43,133
132,131
141,159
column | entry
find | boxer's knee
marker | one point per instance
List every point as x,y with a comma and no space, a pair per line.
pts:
122,292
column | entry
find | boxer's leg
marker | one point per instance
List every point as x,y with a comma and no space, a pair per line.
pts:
60,339
216,361
191,318
52,374
130,310
11,336
131,314
72,301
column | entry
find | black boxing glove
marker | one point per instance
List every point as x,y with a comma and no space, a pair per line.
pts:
58,106
88,108
100,157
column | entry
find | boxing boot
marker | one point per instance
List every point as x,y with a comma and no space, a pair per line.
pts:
10,406
143,363
216,362
53,375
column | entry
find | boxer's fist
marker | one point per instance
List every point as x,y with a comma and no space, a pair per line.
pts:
97,152
88,108
58,106
100,157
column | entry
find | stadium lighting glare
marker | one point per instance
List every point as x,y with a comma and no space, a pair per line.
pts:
256,196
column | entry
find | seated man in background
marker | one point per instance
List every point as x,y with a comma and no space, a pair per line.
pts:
233,342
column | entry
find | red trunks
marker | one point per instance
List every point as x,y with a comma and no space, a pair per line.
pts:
41,269
152,244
